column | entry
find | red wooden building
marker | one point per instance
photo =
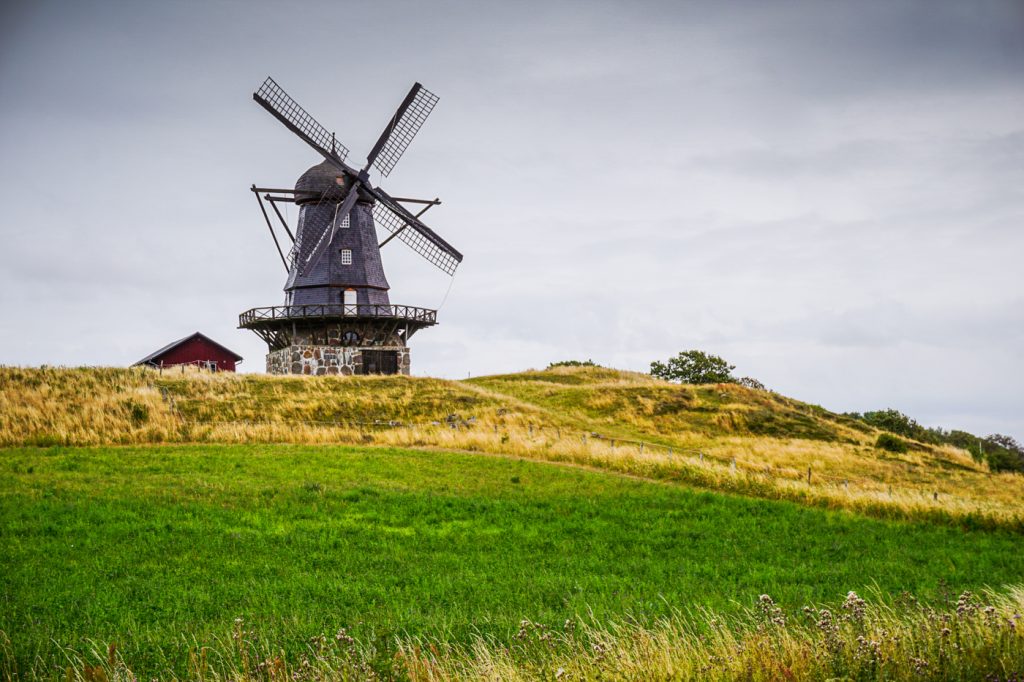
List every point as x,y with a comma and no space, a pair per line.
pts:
196,349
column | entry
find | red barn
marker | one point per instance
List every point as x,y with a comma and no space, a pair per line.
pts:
197,349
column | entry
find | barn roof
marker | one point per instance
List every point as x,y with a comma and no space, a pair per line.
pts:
155,356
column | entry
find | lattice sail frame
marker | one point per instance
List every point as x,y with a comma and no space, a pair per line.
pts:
404,129
278,102
426,245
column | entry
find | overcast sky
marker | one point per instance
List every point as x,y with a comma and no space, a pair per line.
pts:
828,194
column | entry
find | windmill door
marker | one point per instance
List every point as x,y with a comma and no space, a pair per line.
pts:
380,362
350,301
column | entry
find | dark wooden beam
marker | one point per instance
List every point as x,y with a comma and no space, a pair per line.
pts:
270,227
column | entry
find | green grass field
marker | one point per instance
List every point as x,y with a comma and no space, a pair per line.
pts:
157,548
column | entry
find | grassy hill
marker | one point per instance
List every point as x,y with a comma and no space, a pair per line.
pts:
578,523
722,436
160,550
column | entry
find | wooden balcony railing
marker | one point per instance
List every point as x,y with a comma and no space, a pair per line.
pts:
423,316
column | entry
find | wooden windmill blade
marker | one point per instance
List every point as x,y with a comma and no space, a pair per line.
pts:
281,106
410,230
412,113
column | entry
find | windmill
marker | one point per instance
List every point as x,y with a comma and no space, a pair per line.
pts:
338,317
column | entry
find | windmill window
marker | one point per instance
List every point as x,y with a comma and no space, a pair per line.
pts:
346,256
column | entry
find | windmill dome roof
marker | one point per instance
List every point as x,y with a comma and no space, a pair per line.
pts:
318,183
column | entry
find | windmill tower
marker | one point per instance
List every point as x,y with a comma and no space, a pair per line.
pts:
337,317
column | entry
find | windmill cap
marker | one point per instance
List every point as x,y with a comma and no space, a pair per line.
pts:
320,183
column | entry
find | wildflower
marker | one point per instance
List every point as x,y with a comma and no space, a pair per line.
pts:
920,665
965,605
868,648
771,612
829,627
342,637
855,605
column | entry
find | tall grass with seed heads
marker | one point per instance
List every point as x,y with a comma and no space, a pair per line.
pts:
723,437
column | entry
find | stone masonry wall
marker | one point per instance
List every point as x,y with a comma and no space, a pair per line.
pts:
320,360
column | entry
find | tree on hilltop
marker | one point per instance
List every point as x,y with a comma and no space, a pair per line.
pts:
694,367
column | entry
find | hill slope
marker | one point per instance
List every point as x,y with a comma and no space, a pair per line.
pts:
160,549
722,436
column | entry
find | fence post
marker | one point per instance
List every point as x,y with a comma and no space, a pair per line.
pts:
584,439
935,496
670,453
808,475
613,443
531,429
890,492
732,465
701,455
846,484
641,447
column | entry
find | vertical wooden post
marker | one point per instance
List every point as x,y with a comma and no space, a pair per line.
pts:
808,475
641,447
732,465
935,496
701,455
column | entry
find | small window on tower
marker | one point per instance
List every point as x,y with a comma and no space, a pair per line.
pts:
346,256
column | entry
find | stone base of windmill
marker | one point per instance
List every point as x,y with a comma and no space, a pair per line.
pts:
338,360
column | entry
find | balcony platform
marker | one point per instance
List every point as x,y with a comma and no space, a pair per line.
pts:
281,326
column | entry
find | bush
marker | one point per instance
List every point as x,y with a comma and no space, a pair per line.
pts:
893,421
751,382
887,441
1003,453
694,367
573,363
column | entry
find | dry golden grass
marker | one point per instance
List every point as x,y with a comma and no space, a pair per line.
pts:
722,437
970,638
